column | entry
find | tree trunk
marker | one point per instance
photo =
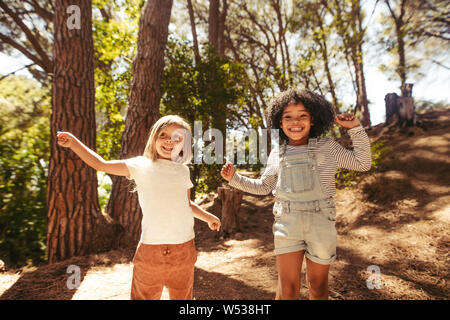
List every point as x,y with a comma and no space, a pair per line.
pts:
401,69
400,35
74,215
230,204
221,28
321,41
194,32
213,23
143,111
362,104
216,31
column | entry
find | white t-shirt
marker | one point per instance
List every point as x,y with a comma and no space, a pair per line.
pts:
162,191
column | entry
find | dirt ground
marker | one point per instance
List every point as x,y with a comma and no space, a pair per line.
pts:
395,220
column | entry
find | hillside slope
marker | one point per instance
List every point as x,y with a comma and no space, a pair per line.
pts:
395,221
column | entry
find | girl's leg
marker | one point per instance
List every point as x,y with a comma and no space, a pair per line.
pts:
179,276
289,267
145,290
147,283
317,280
181,284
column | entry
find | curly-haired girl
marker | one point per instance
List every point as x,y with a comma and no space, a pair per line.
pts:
301,174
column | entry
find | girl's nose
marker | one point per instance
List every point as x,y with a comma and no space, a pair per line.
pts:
171,142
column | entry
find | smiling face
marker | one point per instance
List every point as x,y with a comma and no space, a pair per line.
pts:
296,123
169,142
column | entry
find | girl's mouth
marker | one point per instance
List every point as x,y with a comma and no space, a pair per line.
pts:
295,129
168,149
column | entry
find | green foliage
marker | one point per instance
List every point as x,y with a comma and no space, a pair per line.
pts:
24,154
205,91
104,189
348,178
115,41
210,90
379,150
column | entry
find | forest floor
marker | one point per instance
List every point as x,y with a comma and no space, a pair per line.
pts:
397,218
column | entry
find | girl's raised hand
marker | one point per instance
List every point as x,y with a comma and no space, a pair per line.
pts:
347,120
65,139
227,171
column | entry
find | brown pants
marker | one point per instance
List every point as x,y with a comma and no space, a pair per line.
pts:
170,265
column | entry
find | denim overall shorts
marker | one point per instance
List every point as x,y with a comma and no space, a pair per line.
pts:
304,216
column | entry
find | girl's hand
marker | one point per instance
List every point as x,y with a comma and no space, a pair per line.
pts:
228,171
65,139
347,120
214,223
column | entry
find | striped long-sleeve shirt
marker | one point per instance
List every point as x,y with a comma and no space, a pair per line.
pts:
336,156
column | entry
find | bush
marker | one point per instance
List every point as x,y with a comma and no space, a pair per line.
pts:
24,154
348,178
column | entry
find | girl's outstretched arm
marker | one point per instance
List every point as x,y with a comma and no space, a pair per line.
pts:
261,186
115,167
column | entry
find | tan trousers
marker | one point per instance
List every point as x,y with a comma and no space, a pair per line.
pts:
170,265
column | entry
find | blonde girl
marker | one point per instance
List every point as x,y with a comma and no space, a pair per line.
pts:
166,253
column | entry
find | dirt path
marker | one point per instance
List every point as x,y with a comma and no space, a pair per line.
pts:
396,219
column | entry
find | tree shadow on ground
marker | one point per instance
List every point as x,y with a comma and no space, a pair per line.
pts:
217,286
49,282
57,281
355,275
402,183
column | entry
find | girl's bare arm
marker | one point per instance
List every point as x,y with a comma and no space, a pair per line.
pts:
212,221
115,167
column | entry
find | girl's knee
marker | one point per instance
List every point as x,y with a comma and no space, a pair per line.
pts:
318,287
288,290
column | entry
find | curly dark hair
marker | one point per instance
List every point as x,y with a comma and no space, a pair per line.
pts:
321,111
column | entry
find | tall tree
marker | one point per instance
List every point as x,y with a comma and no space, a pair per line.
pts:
143,110
74,216
194,31
256,36
216,24
312,19
418,29
401,18
348,19
356,40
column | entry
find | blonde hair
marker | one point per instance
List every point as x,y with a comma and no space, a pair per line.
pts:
185,154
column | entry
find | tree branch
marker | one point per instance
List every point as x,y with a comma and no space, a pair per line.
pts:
7,75
23,50
47,15
45,63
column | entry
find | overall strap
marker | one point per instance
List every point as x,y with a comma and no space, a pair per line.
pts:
312,147
282,152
